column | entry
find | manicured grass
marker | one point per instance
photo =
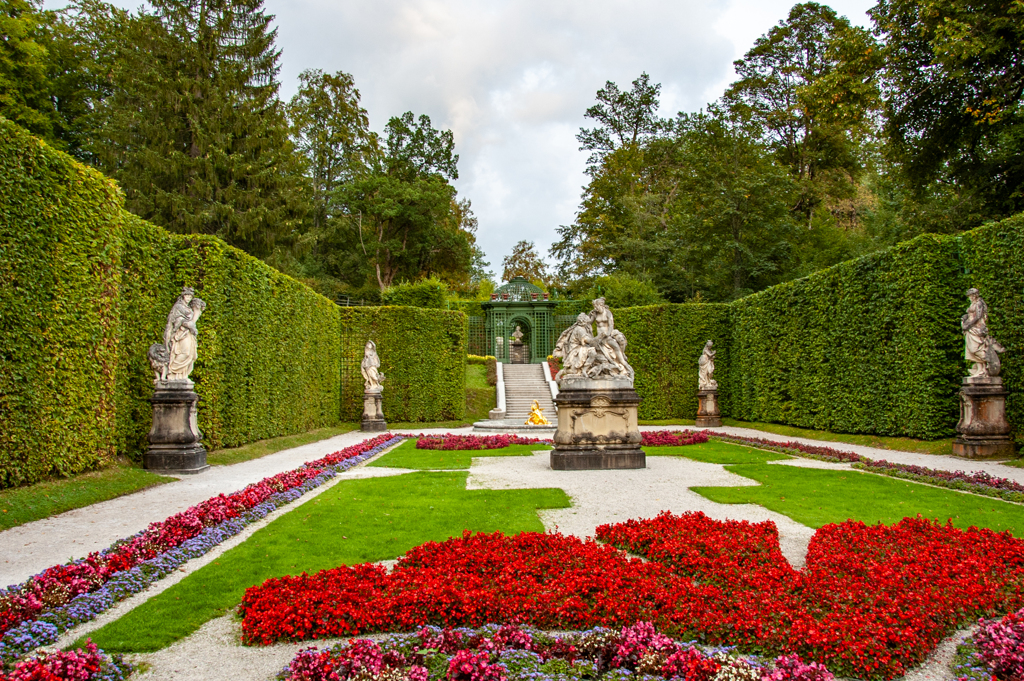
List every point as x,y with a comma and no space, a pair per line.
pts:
816,497
255,450
355,521
406,455
717,452
476,377
904,444
22,505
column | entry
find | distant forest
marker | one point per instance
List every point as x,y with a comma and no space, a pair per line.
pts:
833,142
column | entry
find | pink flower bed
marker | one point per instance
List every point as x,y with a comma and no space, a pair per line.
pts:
466,442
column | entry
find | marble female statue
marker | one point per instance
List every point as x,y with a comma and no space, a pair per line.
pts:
183,346
979,348
706,368
371,369
576,348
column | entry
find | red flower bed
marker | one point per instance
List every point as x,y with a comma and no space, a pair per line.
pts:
672,438
872,601
547,580
458,442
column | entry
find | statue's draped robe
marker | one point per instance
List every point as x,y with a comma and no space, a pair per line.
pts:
976,334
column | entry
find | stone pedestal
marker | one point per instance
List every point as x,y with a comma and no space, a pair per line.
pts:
373,413
597,426
519,353
175,439
708,413
983,431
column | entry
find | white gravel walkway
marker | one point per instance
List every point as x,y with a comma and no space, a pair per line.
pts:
598,497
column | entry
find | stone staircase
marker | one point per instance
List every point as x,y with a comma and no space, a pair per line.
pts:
525,383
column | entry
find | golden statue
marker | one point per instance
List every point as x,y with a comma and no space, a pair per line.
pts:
537,416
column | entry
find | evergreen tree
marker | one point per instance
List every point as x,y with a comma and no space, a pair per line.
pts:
25,89
194,130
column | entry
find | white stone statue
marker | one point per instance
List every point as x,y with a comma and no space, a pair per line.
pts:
371,369
706,369
979,347
174,358
585,355
517,335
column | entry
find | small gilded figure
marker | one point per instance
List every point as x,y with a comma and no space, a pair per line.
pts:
537,416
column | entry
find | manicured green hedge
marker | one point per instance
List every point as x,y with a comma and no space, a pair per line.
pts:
424,293
85,289
664,343
867,346
422,356
59,271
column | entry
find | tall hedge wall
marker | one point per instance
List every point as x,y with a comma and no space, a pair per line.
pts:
664,343
868,346
59,271
85,289
422,356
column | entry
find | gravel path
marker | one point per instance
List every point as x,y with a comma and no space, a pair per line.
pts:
598,497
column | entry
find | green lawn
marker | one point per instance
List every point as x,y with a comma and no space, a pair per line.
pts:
716,451
255,450
355,521
905,444
816,497
22,505
406,455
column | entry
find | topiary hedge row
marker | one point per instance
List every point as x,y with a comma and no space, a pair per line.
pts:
664,343
422,356
871,345
86,288
59,272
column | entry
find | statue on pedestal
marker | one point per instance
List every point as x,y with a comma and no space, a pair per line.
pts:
175,445
517,335
708,413
983,431
373,412
596,403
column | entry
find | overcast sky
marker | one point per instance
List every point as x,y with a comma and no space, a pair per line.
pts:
513,78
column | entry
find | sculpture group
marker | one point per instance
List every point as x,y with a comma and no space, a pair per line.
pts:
174,359
586,355
596,403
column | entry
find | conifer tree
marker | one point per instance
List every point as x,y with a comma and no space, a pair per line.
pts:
195,132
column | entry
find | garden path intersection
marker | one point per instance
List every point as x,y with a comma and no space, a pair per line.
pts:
597,497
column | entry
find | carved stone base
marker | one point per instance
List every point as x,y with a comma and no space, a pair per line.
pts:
597,428
708,413
519,353
373,413
174,439
983,431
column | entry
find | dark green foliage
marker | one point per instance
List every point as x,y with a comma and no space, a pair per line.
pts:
58,311
422,356
625,290
665,342
424,293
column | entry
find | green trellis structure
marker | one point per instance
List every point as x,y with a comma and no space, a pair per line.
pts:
520,302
